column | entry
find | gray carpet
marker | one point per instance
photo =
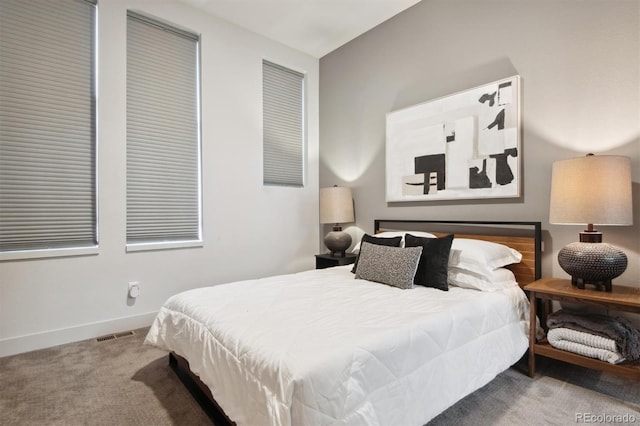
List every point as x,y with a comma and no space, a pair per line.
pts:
122,382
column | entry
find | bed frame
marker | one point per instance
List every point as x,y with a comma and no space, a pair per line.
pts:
526,237
198,390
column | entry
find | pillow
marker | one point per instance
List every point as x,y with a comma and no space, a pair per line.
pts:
481,256
390,241
391,234
499,279
434,261
420,234
394,266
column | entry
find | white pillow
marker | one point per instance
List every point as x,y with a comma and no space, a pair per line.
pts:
391,234
498,279
481,257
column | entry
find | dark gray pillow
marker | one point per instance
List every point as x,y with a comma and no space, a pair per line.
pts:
434,262
393,266
392,242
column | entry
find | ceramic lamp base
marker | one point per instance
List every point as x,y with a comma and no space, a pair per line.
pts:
592,263
337,241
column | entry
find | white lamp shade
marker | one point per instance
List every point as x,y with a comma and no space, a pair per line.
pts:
336,205
595,189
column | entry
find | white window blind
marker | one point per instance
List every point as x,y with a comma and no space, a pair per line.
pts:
47,125
283,125
163,133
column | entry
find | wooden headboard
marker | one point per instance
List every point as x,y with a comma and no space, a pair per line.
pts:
526,237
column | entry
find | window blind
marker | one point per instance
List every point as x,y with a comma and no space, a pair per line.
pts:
47,125
163,140
283,125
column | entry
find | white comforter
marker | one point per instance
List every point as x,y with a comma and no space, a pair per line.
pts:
320,347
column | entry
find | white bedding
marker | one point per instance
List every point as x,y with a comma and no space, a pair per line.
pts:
320,347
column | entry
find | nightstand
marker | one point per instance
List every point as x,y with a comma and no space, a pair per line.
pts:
325,260
547,289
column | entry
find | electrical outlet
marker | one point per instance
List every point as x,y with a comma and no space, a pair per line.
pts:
134,290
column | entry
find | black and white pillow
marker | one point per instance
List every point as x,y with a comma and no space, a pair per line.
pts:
394,266
366,238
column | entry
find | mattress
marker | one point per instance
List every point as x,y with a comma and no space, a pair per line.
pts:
320,347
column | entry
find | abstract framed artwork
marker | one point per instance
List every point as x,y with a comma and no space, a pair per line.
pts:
461,146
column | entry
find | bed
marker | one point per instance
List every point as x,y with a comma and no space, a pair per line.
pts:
320,347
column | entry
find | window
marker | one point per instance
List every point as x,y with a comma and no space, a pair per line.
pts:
163,135
283,125
47,128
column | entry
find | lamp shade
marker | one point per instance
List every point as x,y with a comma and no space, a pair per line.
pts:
336,205
595,189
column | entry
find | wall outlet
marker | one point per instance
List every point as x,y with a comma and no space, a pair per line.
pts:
134,289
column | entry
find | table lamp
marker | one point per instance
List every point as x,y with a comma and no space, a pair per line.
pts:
336,206
595,189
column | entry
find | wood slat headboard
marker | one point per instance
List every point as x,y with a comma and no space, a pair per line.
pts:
526,237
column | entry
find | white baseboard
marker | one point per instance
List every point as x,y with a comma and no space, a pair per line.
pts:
47,339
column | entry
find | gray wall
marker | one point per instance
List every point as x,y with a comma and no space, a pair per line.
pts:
580,70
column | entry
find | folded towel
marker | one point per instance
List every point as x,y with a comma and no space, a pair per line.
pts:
627,338
585,344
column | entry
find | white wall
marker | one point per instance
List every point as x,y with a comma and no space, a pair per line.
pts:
580,67
250,230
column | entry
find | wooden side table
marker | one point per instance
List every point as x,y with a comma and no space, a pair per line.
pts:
325,260
547,289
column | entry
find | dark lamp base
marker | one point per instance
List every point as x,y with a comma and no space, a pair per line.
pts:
592,263
337,241
590,237
600,285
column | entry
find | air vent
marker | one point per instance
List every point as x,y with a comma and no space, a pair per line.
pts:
114,336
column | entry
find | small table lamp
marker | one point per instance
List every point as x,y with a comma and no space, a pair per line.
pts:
336,206
595,189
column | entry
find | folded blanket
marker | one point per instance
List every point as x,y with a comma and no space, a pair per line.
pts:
585,344
627,338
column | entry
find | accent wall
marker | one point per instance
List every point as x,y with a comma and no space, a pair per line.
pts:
579,63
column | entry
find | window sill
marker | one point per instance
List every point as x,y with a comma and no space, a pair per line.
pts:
48,253
163,245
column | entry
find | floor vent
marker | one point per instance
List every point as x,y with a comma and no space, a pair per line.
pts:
114,336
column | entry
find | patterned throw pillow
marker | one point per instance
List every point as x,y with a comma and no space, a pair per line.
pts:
366,238
393,266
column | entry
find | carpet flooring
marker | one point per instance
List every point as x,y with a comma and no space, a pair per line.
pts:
123,382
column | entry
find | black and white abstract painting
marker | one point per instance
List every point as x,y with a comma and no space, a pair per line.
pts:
461,146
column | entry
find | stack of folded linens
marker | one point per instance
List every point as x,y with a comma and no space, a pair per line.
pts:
609,339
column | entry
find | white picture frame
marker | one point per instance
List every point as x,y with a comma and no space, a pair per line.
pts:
462,146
